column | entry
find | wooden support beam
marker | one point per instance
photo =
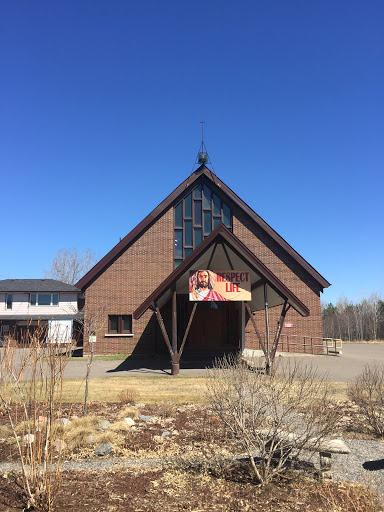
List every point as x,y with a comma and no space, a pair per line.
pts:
211,257
163,329
279,327
174,321
268,365
187,329
256,329
227,255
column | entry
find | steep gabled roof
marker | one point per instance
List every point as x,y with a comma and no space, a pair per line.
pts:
164,205
260,274
36,285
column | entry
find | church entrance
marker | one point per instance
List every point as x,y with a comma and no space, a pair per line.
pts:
215,326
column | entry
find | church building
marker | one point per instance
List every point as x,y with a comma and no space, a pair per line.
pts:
203,273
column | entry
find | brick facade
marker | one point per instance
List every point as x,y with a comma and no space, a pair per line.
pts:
291,274
134,274
127,282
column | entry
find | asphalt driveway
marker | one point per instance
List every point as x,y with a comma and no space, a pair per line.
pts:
342,368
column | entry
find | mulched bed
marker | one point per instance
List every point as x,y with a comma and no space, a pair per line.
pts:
194,432
165,491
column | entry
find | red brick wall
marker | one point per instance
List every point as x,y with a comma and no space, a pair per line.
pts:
290,273
124,285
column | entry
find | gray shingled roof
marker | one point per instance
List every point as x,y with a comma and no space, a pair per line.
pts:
74,316
35,285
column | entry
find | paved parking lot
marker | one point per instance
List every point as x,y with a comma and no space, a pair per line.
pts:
342,368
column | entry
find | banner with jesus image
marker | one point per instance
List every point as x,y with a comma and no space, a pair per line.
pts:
219,286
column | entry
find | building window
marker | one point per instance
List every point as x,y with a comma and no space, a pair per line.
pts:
196,216
9,301
44,299
120,324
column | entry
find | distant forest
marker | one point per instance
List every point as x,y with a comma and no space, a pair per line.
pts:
360,321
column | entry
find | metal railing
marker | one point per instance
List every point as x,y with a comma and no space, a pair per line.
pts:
308,344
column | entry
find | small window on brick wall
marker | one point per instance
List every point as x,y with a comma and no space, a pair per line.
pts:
120,324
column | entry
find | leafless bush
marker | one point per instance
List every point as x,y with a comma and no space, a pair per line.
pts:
166,409
129,396
274,419
31,380
368,394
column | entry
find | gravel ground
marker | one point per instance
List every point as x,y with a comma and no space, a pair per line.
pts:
365,464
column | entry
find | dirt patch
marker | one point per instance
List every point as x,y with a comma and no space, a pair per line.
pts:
165,491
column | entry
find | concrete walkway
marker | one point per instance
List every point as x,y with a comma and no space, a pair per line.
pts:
342,368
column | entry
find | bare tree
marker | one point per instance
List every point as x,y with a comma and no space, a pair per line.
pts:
91,321
358,321
69,265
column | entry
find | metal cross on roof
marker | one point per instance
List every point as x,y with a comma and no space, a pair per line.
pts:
202,155
202,130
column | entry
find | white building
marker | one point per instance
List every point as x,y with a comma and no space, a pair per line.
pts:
27,303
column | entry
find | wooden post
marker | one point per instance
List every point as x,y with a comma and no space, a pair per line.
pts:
175,360
255,327
279,329
187,329
174,321
267,329
163,329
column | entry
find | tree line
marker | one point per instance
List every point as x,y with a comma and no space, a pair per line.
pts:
359,321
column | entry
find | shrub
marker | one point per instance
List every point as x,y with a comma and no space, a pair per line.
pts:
166,409
367,392
272,418
128,396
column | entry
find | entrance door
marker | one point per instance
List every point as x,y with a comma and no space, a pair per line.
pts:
215,326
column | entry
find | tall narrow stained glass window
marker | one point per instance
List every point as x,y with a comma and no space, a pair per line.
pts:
195,217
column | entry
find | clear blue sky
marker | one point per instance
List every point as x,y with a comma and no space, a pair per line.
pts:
96,94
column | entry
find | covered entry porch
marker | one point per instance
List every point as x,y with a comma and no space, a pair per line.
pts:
195,324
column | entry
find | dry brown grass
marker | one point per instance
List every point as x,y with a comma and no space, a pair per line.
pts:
90,421
5,432
81,432
129,412
107,436
152,389
349,497
120,426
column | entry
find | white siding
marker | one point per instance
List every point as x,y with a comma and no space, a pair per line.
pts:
21,306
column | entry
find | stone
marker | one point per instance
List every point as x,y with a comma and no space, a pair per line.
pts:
59,445
166,433
145,418
129,421
64,421
28,438
105,425
103,449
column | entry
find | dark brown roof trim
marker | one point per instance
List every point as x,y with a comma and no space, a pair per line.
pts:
159,210
188,262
